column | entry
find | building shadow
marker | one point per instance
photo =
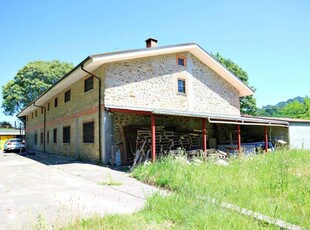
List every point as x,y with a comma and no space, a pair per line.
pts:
56,159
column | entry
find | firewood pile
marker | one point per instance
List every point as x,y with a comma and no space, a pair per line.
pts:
167,140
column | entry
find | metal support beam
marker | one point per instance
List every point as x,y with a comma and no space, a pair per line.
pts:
153,129
266,138
238,138
204,135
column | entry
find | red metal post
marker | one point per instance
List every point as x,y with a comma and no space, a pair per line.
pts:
204,135
238,138
153,129
266,138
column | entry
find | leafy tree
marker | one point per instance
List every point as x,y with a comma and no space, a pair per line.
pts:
30,82
292,110
306,109
297,109
248,103
6,124
269,111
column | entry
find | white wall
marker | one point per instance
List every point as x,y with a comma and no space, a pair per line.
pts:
299,135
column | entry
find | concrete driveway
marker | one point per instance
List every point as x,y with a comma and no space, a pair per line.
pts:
59,190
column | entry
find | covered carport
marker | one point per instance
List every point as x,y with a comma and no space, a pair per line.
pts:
298,132
159,131
248,133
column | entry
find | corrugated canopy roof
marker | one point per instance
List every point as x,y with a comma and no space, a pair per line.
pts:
212,118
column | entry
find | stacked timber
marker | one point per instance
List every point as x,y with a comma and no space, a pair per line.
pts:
168,139
139,141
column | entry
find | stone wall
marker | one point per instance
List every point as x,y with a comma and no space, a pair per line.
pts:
211,92
82,107
152,83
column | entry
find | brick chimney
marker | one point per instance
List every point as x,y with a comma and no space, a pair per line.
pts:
151,42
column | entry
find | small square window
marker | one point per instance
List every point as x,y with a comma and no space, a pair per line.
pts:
88,84
181,61
181,86
56,102
68,95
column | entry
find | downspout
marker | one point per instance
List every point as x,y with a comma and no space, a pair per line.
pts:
44,123
99,109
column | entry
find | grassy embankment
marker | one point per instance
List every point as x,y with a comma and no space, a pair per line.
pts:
276,184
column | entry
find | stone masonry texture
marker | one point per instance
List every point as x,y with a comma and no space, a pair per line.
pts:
152,83
149,83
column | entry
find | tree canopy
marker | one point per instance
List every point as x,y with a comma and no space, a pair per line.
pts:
30,82
248,103
6,125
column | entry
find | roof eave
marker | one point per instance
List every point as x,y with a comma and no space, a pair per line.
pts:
94,61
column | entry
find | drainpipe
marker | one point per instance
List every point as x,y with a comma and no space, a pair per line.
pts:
99,109
44,123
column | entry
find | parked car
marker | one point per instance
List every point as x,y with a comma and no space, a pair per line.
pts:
14,144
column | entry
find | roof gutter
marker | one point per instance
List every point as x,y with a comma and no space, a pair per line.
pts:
99,110
243,122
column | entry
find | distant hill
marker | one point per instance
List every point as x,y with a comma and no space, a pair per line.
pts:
275,110
281,104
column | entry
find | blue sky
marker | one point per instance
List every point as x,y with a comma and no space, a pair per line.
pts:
268,39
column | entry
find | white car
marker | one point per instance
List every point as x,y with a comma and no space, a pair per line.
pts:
14,144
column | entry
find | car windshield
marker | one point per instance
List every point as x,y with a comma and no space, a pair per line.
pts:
15,140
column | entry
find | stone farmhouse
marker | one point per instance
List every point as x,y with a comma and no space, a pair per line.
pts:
156,98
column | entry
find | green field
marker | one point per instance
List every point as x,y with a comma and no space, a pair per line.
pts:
274,184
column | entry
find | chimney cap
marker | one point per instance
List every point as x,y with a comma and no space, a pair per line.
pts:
151,39
151,42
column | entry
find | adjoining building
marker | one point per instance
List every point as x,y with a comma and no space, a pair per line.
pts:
6,134
156,98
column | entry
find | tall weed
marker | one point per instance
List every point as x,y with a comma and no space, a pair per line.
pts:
275,184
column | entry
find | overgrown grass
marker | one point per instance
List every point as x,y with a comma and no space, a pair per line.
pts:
174,212
275,184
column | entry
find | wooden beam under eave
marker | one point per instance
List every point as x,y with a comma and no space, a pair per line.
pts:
138,112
